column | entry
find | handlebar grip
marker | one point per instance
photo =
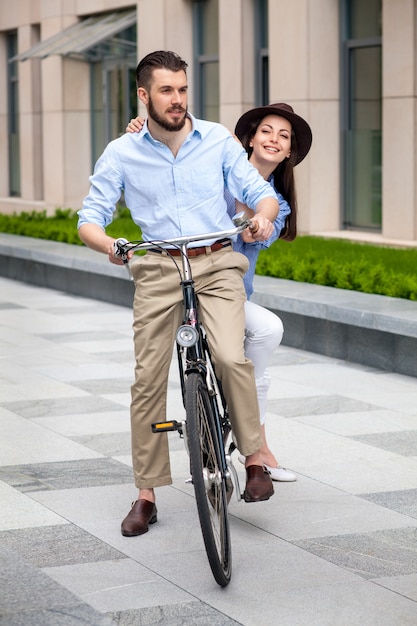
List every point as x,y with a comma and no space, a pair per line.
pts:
117,246
122,253
254,227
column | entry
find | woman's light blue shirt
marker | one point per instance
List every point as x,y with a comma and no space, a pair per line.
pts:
251,250
171,196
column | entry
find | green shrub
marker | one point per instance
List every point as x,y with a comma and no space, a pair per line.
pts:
331,262
343,264
62,226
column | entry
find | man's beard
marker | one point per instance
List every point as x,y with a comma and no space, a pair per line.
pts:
171,126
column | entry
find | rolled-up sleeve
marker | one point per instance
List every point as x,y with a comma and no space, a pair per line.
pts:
106,187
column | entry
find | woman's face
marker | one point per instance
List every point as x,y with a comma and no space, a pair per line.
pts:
272,142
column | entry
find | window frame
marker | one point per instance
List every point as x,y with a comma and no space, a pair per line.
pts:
201,61
261,20
13,133
347,46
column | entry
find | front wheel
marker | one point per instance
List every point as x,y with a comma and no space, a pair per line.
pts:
208,478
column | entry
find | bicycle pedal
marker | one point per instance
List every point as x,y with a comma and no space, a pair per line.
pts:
161,427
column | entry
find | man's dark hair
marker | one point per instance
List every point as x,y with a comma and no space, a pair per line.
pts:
164,59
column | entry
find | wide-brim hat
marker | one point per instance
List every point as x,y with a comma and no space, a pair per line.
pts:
300,127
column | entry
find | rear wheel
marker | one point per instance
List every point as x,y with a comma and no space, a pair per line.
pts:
208,479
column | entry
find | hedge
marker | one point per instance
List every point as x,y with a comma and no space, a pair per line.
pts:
333,262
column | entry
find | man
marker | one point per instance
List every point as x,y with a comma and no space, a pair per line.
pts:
173,174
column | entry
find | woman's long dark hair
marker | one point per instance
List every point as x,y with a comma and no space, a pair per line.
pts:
283,179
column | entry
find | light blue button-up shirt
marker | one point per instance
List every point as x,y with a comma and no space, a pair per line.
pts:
173,196
251,250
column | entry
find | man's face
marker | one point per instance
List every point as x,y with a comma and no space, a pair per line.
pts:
167,100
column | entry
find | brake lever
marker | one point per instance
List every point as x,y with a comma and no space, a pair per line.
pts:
122,253
241,219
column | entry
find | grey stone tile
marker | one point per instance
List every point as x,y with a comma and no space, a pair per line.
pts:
380,390
10,305
79,306
317,405
106,385
402,442
71,373
362,422
361,603
75,337
78,425
406,586
274,580
109,444
60,406
53,546
120,356
377,554
195,613
35,589
310,508
18,509
66,475
404,501
118,585
58,616
286,357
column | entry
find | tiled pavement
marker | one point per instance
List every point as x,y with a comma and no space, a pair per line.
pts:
336,548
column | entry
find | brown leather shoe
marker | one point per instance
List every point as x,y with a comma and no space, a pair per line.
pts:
259,485
136,521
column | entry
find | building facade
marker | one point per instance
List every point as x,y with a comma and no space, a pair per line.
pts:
67,75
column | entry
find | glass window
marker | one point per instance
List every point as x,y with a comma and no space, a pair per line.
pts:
113,93
362,114
13,116
364,19
206,50
262,55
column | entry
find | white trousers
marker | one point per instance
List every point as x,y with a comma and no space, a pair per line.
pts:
263,334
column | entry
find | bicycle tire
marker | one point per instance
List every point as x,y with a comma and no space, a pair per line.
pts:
208,479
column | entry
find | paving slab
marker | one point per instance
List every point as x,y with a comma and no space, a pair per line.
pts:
335,548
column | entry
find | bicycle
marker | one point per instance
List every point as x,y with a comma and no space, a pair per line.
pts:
206,429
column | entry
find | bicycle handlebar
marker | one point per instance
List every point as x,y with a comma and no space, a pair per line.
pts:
240,220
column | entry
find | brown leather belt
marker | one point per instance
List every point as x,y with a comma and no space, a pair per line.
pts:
217,245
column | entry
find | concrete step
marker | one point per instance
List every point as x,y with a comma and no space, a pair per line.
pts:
364,328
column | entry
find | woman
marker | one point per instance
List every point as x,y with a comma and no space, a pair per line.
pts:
276,140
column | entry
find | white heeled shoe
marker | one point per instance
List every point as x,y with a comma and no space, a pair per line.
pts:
280,474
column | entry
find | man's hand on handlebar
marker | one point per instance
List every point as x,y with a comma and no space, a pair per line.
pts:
114,253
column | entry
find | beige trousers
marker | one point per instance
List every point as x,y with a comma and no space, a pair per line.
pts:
158,311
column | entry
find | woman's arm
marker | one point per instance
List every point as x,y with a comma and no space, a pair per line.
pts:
278,224
264,218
